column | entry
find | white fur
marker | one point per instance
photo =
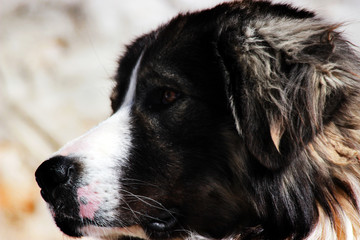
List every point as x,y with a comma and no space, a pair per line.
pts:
102,151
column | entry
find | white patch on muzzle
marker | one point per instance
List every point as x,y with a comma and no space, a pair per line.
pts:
103,151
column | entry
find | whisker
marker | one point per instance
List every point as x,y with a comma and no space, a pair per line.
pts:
132,211
133,181
142,214
146,200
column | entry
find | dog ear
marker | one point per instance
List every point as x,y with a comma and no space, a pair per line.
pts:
283,81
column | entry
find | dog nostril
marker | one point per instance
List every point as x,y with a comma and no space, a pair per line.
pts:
61,173
70,171
54,172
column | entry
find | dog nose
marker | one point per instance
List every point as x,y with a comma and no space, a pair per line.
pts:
52,174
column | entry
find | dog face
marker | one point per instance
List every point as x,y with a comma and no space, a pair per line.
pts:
160,160
212,114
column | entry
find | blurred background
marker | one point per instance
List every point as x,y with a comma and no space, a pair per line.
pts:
57,59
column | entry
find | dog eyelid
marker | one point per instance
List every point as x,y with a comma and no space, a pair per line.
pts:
169,96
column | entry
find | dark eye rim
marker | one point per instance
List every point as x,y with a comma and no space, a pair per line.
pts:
169,96
158,99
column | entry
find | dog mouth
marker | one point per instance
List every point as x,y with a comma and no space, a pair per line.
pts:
74,224
76,227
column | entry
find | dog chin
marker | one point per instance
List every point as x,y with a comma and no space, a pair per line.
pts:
113,232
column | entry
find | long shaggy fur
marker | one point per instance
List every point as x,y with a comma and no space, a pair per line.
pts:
302,95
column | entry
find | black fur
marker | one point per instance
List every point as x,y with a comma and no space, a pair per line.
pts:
233,155
185,149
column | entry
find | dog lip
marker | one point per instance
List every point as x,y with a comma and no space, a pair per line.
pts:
68,224
162,225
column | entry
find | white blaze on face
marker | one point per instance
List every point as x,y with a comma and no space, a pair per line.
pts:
102,151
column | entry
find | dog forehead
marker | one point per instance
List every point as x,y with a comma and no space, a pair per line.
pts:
182,47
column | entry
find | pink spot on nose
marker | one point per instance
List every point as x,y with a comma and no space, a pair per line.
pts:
89,201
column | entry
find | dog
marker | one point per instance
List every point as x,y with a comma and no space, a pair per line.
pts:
237,122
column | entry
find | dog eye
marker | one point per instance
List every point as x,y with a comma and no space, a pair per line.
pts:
169,96
161,98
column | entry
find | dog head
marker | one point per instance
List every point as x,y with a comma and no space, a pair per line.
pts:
210,112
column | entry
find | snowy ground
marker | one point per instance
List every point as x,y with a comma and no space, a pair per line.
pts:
56,62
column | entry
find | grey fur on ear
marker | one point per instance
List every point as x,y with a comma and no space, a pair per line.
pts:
284,79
